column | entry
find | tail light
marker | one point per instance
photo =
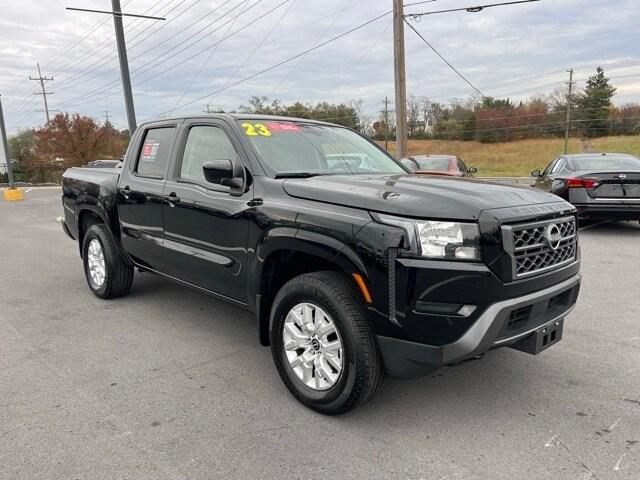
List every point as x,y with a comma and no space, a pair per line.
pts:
582,182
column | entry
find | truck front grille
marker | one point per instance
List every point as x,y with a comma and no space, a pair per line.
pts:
541,246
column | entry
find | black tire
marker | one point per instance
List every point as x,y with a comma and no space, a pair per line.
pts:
118,274
362,370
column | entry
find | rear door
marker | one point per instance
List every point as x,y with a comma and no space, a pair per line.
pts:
206,227
140,194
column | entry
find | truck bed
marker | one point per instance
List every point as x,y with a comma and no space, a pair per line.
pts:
96,188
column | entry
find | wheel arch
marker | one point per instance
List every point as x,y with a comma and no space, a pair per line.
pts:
286,253
90,212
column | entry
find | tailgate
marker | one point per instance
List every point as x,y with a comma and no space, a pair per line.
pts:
618,185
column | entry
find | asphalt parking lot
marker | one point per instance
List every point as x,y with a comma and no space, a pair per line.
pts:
168,383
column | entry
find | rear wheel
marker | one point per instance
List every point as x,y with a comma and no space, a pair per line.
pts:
108,276
322,344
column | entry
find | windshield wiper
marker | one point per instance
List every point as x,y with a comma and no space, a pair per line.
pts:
297,175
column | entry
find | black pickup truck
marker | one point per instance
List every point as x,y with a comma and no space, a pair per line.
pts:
353,267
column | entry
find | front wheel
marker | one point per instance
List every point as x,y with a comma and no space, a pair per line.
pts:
107,273
322,345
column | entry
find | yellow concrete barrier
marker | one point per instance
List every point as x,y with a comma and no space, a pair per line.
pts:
12,194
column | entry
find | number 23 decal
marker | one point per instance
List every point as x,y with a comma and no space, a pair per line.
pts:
256,129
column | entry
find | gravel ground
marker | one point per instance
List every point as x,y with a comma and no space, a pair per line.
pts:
168,383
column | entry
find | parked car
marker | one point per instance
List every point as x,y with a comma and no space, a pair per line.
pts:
353,268
600,185
449,165
104,164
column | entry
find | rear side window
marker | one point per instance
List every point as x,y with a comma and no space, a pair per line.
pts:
204,143
155,152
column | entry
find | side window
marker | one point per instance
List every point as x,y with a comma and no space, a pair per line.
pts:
204,143
558,166
155,152
568,166
549,168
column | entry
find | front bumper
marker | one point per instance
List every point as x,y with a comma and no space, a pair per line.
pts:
504,323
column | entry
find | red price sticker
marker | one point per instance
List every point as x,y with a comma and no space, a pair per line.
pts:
283,127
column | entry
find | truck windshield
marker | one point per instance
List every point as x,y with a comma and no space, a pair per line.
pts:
305,149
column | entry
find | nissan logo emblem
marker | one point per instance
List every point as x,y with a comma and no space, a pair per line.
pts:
553,236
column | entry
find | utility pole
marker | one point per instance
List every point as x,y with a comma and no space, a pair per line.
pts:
385,112
569,102
207,108
124,67
106,116
400,79
44,93
11,194
117,14
5,147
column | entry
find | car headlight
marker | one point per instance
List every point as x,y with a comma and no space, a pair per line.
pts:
438,239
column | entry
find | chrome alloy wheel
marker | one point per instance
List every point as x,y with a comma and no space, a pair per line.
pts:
95,263
313,346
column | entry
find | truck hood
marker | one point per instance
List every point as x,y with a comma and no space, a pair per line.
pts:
414,195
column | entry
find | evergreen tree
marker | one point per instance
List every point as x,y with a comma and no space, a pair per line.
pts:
594,104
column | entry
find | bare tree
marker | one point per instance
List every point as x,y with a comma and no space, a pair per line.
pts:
413,113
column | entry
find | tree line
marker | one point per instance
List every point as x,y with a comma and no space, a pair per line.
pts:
71,139
488,119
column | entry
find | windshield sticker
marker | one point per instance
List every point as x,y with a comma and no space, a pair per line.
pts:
150,151
256,130
283,127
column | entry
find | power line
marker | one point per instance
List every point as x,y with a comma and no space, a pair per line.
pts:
109,56
117,14
479,8
89,32
159,60
283,62
320,37
445,60
260,44
204,64
418,3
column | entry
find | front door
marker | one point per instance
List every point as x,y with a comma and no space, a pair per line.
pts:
206,227
140,195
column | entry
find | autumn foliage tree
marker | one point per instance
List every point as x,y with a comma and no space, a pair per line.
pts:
76,140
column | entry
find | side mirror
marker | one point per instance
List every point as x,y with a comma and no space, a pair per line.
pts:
215,171
473,170
226,173
536,173
408,164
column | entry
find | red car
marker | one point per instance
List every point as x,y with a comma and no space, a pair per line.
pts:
449,165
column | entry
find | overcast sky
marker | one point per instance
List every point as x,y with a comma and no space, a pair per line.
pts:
514,51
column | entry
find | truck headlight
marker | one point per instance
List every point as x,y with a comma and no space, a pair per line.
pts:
449,240
439,239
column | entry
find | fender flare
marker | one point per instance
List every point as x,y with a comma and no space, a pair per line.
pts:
88,203
296,240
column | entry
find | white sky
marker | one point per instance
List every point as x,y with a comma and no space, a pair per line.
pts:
496,49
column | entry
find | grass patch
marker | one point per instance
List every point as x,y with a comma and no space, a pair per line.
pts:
629,145
517,158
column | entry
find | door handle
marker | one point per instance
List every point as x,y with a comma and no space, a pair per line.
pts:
172,199
125,192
